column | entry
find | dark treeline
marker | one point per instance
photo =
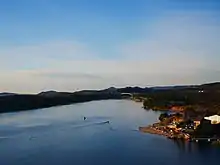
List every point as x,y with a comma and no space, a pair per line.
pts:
206,129
198,98
207,95
18,102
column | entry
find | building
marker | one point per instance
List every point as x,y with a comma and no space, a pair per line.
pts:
196,123
177,108
201,91
171,126
177,119
215,119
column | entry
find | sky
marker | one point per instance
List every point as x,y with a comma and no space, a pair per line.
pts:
69,45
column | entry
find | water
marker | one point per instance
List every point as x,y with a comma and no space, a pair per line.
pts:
59,135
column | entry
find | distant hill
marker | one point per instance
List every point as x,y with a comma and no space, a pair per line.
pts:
54,94
48,93
170,87
133,90
211,86
19,102
10,102
7,94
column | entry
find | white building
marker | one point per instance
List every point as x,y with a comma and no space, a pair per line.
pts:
215,119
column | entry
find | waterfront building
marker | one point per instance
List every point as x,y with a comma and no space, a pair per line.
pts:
215,119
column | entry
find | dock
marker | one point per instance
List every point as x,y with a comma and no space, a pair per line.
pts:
205,139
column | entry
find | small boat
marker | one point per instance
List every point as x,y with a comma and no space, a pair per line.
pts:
106,122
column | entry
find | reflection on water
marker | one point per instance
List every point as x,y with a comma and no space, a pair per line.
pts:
60,135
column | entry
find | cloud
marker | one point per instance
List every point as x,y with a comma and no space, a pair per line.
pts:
182,47
178,48
101,74
177,34
40,55
66,75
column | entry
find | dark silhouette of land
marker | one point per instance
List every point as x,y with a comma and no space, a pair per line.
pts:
19,102
207,95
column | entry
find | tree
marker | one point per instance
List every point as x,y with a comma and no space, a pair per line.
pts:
205,129
163,116
148,103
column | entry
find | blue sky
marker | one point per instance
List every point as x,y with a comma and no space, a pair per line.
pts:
88,44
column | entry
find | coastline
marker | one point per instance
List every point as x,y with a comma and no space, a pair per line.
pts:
151,130
162,129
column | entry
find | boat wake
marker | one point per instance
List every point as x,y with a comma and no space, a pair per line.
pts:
91,124
33,125
4,137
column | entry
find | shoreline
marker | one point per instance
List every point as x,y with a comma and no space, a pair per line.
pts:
152,130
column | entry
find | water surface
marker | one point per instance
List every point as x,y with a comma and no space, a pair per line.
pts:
60,135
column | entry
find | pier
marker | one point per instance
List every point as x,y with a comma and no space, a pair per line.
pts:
205,139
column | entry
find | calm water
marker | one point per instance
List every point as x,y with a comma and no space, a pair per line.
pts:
60,136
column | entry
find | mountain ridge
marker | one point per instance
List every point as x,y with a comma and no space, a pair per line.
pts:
12,102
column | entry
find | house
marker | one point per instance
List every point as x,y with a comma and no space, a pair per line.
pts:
201,91
177,119
177,108
196,123
215,119
171,126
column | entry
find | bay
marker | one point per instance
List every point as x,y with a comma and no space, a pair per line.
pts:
60,135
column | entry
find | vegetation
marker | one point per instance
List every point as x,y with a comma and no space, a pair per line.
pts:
156,98
163,116
204,99
206,129
16,102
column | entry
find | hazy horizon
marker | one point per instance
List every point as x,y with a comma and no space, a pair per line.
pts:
73,45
